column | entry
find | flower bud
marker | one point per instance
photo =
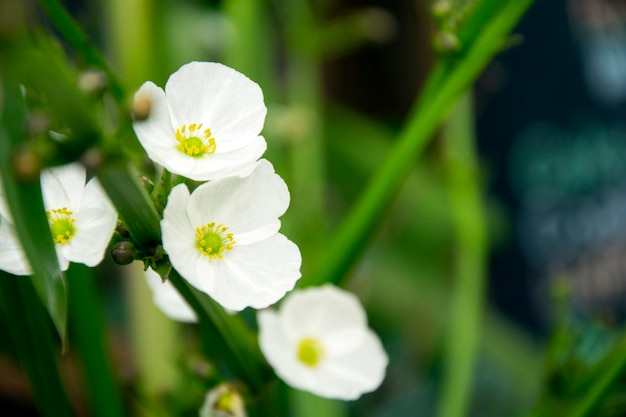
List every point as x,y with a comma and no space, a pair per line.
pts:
93,82
26,165
440,9
446,43
223,401
123,253
142,104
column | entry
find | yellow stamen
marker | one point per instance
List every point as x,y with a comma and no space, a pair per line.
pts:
61,225
212,240
193,142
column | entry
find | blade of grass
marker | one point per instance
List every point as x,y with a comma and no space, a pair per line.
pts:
25,203
132,202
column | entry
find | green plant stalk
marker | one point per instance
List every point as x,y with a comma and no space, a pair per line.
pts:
469,261
88,336
25,202
30,333
79,42
231,342
352,236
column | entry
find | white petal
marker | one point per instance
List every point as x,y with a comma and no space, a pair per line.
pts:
279,351
334,316
224,100
257,275
219,165
246,205
12,257
354,373
168,300
157,134
95,223
178,234
63,186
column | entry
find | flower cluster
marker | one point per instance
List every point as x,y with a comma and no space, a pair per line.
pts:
223,236
81,219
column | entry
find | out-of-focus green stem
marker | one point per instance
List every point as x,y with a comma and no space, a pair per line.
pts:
78,40
154,337
442,93
468,268
305,404
130,40
88,335
601,378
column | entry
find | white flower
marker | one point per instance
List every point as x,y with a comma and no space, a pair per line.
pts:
224,240
206,123
168,300
319,342
81,219
223,401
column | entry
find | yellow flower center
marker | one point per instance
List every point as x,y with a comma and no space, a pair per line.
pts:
310,351
194,141
61,225
212,240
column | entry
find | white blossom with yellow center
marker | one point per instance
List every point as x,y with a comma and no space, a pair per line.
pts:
319,342
81,219
223,238
206,123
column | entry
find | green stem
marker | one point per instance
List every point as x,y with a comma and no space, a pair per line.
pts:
88,335
352,235
230,342
469,261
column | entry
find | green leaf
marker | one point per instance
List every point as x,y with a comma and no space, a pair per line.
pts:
88,336
132,203
30,333
24,200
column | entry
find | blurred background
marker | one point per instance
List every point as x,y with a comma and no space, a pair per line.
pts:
339,77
